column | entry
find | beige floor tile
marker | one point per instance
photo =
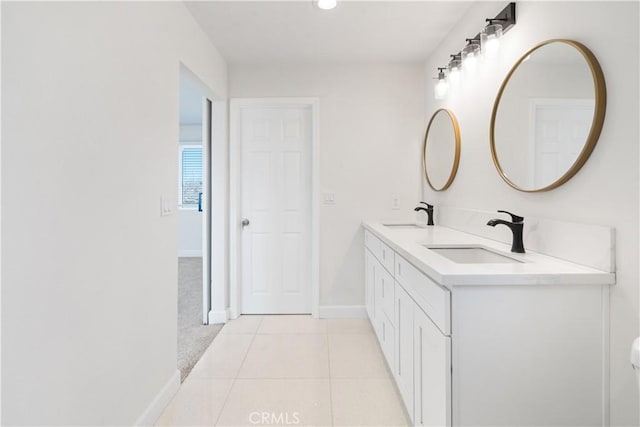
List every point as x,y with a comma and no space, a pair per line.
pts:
224,357
287,356
367,402
356,356
246,324
292,324
349,326
278,402
197,403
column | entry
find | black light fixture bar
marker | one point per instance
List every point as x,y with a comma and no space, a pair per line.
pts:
507,18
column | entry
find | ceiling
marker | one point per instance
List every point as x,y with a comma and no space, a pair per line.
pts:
298,32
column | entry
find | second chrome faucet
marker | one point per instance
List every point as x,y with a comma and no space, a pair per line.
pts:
516,225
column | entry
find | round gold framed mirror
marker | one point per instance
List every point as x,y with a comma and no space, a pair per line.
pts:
548,115
441,150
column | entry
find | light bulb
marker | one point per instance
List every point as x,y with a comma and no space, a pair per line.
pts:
440,89
327,4
470,55
492,46
454,70
490,40
471,63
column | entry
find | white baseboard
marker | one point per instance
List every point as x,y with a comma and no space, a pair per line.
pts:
162,399
221,316
342,311
189,253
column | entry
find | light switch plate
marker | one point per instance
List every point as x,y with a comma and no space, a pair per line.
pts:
165,205
329,198
395,202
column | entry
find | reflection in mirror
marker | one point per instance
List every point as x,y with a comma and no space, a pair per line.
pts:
441,151
547,116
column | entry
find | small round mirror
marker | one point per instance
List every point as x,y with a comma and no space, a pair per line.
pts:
547,116
441,150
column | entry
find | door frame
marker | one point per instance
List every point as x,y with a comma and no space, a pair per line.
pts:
235,157
216,299
207,207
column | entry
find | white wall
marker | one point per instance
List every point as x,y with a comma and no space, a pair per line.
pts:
190,220
89,272
604,192
191,134
189,233
371,128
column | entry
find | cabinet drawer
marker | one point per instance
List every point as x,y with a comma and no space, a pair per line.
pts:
387,257
386,292
433,299
382,252
372,243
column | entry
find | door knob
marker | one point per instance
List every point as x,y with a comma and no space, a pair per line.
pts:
245,222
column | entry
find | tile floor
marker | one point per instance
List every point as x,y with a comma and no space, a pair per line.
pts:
289,370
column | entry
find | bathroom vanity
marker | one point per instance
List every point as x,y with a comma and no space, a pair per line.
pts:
475,335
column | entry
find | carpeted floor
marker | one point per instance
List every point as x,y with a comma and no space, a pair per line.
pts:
193,336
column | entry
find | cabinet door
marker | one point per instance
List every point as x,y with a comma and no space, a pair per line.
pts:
376,282
432,373
387,337
403,370
369,284
387,291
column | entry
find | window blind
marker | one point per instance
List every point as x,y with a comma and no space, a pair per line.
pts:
191,175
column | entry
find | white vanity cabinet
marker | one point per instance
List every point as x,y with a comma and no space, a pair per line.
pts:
416,350
369,280
379,290
432,367
403,369
469,354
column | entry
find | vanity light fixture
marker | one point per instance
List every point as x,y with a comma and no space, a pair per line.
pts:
327,4
470,55
455,65
490,39
491,34
486,43
441,86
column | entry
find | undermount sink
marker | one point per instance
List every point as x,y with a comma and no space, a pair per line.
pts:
402,226
472,255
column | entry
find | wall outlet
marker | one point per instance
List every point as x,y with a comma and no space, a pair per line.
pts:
395,202
166,208
329,198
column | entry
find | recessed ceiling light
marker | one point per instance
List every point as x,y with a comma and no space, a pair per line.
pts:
327,4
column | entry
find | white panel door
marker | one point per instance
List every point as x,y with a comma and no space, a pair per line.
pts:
432,373
561,127
276,208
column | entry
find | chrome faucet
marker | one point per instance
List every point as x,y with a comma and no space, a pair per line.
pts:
516,226
428,210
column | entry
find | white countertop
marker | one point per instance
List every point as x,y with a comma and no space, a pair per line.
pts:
535,268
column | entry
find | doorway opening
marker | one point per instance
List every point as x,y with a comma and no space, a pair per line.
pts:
194,223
